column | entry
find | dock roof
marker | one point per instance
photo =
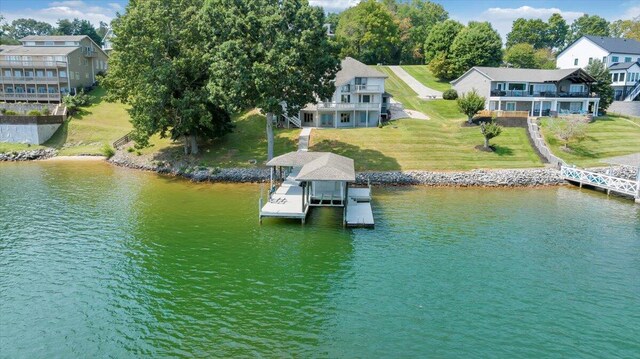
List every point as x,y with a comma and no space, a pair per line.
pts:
318,166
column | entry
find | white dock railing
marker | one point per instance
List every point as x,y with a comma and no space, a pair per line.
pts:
610,183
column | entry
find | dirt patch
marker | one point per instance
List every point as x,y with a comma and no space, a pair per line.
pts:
484,149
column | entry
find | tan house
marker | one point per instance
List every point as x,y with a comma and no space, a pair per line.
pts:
45,68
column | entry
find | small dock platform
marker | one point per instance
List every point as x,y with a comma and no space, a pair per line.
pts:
600,180
358,212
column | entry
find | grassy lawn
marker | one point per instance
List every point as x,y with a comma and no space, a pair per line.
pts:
606,137
247,142
10,147
92,127
422,74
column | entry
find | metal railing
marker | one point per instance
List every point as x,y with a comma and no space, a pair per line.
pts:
610,183
634,92
34,79
367,88
122,141
32,64
30,96
348,106
547,94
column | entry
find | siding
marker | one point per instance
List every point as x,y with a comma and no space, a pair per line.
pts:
474,80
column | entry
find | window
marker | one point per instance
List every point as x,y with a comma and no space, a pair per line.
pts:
71,75
42,89
39,73
615,77
575,62
28,73
53,90
78,75
345,117
9,89
591,60
326,119
363,117
69,43
31,90
346,88
361,80
622,77
17,73
307,117
575,106
365,98
49,73
577,88
29,43
604,59
48,43
614,59
511,106
7,73
63,73
627,59
517,86
345,98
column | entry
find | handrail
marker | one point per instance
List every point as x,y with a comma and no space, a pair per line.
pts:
348,105
122,140
602,180
547,94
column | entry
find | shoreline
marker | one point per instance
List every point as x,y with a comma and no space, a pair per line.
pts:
505,178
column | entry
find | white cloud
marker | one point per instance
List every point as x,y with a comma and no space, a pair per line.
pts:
502,18
334,5
66,10
631,13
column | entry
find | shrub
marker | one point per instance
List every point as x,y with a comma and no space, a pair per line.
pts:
45,111
489,130
450,94
470,103
34,113
10,113
3,111
130,149
107,151
73,103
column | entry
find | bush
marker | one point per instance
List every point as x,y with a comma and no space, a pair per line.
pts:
34,113
450,94
46,111
73,103
10,113
3,111
107,151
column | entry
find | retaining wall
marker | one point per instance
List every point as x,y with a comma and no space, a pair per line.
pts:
34,130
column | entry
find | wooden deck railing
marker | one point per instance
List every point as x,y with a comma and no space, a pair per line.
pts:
500,113
122,141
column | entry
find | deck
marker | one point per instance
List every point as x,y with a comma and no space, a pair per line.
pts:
603,181
358,212
285,202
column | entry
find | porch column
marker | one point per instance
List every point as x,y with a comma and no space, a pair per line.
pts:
300,118
354,118
335,119
499,105
316,119
586,105
367,117
554,106
533,106
540,109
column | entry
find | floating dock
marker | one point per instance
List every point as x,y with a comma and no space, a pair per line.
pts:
600,180
358,212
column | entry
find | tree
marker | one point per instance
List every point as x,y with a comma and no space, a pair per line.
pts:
530,31
602,87
470,103
476,45
20,28
557,31
568,129
442,67
78,27
589,25
265,52
489,130
368,33
159,66
440,39
421,16
526,57
626,28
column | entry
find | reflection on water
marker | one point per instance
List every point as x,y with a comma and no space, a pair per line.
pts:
99,260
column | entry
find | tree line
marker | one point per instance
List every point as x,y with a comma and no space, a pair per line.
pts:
11,32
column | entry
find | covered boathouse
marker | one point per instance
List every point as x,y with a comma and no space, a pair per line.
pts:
301,180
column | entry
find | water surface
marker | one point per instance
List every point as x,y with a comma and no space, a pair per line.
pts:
100,261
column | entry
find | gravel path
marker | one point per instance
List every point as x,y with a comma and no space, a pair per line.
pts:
422,90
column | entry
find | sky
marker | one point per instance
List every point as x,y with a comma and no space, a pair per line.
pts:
500,13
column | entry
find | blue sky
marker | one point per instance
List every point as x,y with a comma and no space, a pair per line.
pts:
500,13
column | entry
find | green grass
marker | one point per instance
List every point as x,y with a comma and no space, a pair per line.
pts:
440,143
606,137
10,147
92,128
422,74
247,142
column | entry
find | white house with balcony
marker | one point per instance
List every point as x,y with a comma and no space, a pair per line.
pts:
359,100
539,92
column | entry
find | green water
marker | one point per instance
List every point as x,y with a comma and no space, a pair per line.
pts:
99,261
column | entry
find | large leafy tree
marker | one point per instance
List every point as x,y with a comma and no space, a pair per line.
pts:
589,25
557,31
470,103
265,52
530,31
78,27
626,28
20,28
160,67
526,57
422,16
476,45
440,39
369,33
602,87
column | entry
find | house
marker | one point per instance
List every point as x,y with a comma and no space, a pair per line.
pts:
45,68
618,54
314,179
625,80
358,101
107,43
539,92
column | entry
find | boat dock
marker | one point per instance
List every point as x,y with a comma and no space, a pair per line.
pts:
603,181
358,212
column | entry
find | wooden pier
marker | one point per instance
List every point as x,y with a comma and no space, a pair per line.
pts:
600,180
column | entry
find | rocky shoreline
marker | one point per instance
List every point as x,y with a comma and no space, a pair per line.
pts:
30,155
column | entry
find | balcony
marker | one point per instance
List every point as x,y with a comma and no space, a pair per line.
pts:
91,53
24,96
32,64
337,106
367,88
546,94
31,80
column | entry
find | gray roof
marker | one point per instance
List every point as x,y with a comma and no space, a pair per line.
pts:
353,68
622,65
526,75
614,44
37,50
318,166
53,38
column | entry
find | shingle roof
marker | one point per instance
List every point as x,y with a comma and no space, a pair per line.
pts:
53,38
353,68
37,50
622,65
618,45
526,75
318,166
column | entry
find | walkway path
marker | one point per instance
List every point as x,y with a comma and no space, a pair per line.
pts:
417,86
303,139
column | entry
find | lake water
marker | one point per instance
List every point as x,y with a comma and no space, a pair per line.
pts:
100,261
